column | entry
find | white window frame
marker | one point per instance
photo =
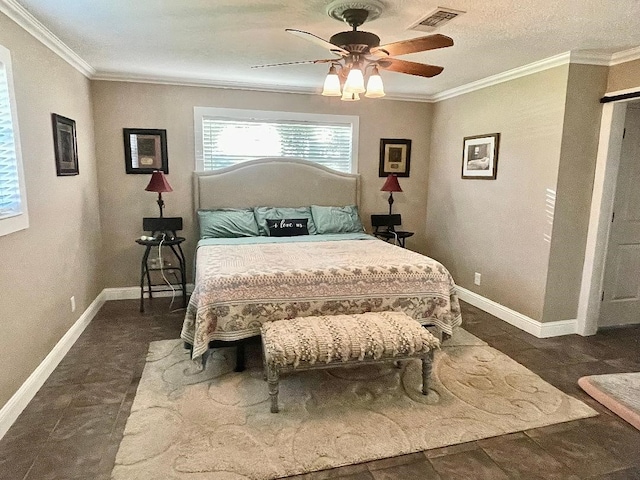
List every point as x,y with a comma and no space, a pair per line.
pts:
241,114
19,221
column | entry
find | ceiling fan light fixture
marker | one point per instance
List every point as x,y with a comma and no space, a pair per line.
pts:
350,97
332,84
355,81
375,88
360,51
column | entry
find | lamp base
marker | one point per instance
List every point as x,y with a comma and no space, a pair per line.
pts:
160,203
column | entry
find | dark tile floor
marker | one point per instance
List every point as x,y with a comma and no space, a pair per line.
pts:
72,428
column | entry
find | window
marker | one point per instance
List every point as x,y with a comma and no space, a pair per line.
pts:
13,205
226,137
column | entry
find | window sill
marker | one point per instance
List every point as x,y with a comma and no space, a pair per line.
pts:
14,224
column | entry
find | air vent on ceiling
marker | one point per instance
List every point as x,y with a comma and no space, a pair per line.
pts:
435,19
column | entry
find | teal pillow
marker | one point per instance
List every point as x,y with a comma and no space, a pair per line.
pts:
227,223
282,213
336,219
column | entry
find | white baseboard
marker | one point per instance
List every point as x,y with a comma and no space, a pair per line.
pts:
133,293
529,325
17,403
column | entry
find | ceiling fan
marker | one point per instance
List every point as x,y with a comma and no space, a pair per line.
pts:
358,51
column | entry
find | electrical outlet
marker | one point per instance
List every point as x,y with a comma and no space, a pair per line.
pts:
73,304
476,278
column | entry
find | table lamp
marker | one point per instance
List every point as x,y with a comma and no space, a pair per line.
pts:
391,185
160,184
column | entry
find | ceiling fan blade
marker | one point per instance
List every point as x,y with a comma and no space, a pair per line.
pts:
318,41
412,68
420,44
327,60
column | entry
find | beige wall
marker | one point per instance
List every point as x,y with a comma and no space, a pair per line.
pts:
56,257
497,227
123,201
586,85
624,76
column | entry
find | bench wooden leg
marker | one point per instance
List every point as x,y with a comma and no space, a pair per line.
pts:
272,380
427,363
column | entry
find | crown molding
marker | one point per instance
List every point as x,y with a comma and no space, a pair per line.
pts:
625,56
202,82
590,58
196,82
584,58
32,25
407,98
512,74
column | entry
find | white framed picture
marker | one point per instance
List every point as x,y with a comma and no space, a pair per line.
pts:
480,157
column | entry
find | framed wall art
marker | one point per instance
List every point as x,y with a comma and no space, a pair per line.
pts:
480,157
65,145
145,150
395,157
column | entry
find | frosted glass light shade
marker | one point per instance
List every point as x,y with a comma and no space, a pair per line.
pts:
350,97
355,81
332,84
375,89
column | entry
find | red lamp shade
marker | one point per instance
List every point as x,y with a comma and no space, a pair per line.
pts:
391,184
159,183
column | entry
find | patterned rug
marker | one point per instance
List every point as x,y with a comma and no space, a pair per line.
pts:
619,392
216,424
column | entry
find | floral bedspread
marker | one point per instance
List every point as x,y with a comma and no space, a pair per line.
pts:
238,287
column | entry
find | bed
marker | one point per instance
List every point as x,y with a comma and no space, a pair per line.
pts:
242,282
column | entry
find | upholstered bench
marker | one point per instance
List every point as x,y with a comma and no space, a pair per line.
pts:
329,341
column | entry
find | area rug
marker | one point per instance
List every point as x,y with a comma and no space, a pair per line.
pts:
216,424
619,392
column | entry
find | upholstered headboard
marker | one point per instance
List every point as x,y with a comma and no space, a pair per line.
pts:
276,182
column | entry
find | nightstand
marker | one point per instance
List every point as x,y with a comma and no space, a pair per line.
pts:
163,241
389,222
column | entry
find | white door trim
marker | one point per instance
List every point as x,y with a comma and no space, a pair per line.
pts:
604,186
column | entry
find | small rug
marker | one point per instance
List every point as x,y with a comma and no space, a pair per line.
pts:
216,423
619,392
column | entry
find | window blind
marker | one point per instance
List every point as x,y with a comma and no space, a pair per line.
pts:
227,142
10,200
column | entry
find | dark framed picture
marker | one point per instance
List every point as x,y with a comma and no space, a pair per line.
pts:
145,150
65,145
395,157
480,156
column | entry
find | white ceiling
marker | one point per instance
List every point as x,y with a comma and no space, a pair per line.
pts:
216,41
